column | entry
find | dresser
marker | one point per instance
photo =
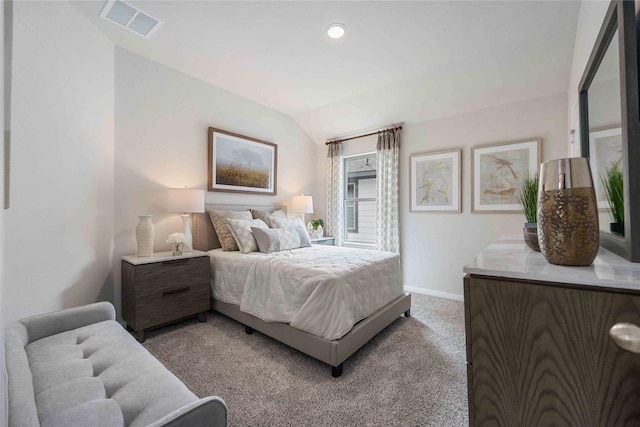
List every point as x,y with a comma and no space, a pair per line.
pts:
163,288
538,344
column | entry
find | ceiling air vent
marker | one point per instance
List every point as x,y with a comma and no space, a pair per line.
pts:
131,18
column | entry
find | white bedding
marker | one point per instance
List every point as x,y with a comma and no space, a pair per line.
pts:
323,290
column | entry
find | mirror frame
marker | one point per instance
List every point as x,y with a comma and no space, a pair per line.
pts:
621,16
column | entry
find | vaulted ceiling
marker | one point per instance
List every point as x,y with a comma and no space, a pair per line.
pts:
399,61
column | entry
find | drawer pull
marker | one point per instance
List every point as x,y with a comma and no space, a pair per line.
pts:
175,262
626,336
176,291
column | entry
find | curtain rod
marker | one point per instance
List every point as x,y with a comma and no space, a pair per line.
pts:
363,135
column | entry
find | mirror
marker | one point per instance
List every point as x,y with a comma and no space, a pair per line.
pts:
609,127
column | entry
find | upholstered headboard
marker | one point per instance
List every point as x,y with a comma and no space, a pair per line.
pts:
204,236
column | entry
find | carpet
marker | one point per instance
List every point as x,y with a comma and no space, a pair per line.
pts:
411,374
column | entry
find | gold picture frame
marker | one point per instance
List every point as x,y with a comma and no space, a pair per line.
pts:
435,181
497,171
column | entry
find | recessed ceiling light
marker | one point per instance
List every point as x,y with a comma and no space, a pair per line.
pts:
335,31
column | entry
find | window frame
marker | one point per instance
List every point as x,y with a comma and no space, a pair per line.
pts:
346,200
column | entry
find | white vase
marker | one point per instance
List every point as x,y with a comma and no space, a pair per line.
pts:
145,234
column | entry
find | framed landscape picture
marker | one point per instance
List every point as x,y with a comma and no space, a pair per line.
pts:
241,164
605,152
435,181
497,171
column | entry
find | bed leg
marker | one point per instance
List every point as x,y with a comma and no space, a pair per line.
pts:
336,371
407,313
248,330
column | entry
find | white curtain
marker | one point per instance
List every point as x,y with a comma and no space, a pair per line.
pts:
335,211
388,209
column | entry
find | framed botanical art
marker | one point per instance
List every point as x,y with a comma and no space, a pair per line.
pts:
434,180
241,164
497,171
605,152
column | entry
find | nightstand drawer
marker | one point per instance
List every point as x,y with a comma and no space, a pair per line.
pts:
167,306
160,277
327,241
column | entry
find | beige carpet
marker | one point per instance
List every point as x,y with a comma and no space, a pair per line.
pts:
412,374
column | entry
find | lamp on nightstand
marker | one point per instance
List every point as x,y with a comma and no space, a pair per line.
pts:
302,205
187,201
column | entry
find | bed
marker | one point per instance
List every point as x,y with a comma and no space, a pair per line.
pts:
324,301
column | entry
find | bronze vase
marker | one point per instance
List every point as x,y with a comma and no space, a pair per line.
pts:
568,231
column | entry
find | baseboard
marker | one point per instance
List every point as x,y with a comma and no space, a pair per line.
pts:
433,293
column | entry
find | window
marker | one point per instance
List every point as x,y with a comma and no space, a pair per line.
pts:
360,199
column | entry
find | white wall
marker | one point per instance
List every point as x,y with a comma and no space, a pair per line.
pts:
436,246
162,117
59,234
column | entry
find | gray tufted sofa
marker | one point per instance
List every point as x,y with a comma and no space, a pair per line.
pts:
79,367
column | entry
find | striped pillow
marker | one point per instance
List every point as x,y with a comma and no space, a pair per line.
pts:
219,221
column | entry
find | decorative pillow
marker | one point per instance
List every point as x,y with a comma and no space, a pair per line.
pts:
280,239
277,222
241,231
264,215
292,222
219,220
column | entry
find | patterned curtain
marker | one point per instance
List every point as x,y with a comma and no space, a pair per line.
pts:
388,209
335,212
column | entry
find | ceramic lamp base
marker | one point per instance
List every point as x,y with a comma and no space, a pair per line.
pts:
188,244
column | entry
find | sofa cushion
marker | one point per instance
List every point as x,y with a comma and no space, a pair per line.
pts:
68,394
95,413
141,388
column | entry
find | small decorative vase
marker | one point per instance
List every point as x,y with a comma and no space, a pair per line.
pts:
568,231
319,232
177,248
145,234
530,232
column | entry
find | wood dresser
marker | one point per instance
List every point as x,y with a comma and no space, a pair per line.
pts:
539,350
163,288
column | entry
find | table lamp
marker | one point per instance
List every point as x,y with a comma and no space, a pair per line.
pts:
187,201
302,205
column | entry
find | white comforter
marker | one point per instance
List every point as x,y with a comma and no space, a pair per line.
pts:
323,290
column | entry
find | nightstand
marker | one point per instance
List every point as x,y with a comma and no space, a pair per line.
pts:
328,241
162,288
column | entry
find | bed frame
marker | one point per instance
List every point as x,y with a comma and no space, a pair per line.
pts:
332,352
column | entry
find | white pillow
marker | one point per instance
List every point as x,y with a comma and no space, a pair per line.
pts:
280,239
292,222
265,215
241,231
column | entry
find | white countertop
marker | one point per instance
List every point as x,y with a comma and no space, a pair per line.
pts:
161,256
510,257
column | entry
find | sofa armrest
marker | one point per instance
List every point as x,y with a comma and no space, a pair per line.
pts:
207,412
47,324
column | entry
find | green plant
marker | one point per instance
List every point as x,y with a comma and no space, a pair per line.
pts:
613,186
317,222
529,197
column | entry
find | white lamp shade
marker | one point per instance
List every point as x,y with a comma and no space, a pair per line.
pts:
184,200
302,204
